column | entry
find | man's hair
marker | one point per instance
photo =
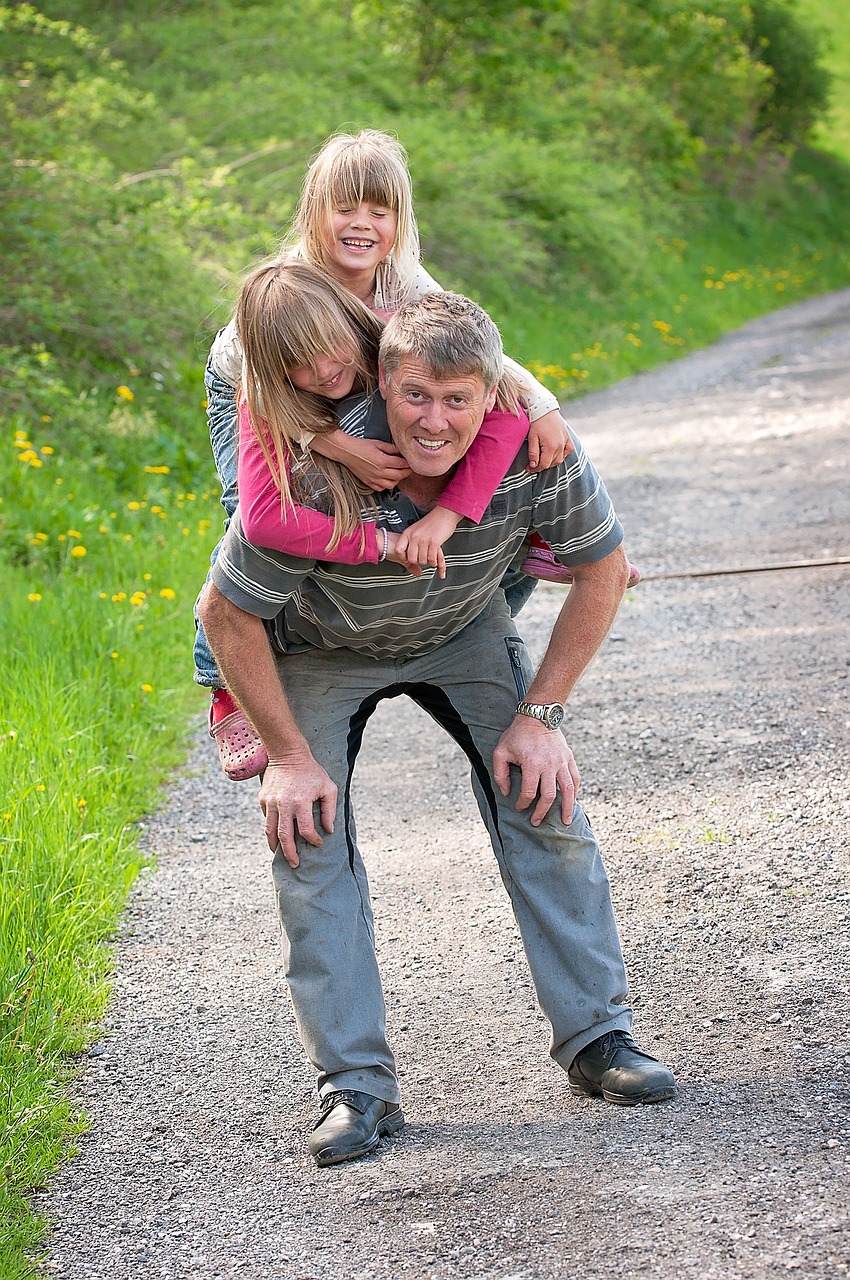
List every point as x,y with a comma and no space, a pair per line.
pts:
368,166
451,335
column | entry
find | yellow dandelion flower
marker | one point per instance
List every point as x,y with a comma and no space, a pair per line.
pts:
78,551
102,528
103,595
74,533
125,393
128,537
147,688
119,596
34,596
147,577
168,593
40,787
58,480
779,286
114,653
662,326
158,471
36,462
47,448
134,506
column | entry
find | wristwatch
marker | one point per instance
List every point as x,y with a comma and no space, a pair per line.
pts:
549,713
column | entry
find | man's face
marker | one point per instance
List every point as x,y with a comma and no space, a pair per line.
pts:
433,421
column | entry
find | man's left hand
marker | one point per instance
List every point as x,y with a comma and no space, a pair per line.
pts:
546,764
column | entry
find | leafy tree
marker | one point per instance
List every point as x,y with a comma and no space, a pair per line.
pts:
800,83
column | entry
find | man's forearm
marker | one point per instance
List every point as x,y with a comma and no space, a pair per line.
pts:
583,623
247,663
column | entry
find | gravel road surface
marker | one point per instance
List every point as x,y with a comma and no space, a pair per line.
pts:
712,733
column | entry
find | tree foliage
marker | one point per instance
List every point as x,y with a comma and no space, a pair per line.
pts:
151,150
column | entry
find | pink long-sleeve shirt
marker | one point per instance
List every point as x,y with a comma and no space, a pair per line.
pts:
302,531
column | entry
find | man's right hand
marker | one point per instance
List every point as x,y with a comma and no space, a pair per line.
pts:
290,787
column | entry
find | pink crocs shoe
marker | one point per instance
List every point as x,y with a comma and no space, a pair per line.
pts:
541,563
240,749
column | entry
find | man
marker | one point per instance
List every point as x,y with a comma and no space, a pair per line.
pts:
352,635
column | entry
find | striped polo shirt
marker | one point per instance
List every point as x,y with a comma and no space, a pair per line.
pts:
382,610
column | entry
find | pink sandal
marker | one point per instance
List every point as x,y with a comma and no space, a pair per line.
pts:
240,748
540,562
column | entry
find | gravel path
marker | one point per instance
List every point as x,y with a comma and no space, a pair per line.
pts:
712,733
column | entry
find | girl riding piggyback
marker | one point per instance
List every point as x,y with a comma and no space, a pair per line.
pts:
355,222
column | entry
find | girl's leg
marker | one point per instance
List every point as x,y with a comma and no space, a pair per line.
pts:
240,748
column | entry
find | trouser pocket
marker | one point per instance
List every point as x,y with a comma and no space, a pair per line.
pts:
516,647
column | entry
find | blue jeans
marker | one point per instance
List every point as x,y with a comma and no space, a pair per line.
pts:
223,420
553,874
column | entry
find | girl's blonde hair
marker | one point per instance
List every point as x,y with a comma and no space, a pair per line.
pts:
289,314
350,168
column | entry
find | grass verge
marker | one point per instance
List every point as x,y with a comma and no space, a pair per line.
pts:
96,619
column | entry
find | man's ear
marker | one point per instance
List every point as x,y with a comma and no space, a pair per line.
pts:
491,400
382,380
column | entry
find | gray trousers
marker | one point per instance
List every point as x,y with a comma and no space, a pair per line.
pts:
554,874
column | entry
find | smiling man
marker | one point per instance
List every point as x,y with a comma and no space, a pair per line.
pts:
310,648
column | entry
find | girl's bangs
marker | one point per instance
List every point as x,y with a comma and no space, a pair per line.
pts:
367,180
322,334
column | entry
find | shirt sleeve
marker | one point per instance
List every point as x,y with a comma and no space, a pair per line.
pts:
294,529
572,512
259,581
423,283
226,354
485,465
540,399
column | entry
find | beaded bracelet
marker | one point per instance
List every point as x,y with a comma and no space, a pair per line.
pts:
386,546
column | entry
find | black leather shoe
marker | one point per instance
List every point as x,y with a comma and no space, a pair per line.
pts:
616,1069
351,1125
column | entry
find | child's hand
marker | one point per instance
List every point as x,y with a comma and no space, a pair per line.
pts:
422,542
378,465
396,556
549,441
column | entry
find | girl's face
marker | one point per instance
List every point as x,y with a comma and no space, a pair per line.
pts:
333,377
359,239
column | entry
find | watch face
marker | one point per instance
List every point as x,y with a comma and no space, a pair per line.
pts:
554,716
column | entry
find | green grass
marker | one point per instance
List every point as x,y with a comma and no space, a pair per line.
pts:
96,673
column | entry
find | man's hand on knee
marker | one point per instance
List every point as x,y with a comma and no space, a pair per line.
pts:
290,788
546,765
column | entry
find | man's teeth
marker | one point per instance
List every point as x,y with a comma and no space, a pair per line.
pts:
430,444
